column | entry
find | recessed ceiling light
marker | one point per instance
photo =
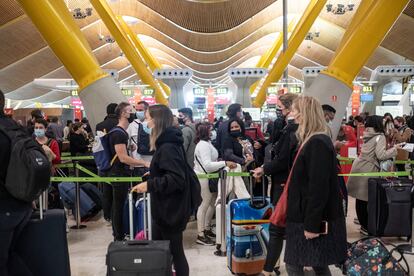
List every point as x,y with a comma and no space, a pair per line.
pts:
130,20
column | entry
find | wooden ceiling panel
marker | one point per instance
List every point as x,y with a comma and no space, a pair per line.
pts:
24,71
208,17
400,39
409,10
10,10
19,40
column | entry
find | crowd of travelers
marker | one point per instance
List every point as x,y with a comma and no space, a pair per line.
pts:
151,142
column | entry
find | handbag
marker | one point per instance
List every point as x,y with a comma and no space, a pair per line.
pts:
278,217
212,182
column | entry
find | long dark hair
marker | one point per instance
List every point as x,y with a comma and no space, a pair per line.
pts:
202,132
376,122
241,124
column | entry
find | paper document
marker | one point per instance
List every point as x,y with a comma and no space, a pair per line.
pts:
408,147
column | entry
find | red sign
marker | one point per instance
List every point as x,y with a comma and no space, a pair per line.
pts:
271,99
149,100
76,101
356,100
210,104
8,111
222,100
78,113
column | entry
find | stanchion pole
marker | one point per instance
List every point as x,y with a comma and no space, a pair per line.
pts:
149,218
77,201
221,248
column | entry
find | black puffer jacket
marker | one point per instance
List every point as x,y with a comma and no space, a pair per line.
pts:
170,193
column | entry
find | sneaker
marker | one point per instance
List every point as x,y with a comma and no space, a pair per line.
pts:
363,231
210,234
204,241
356,221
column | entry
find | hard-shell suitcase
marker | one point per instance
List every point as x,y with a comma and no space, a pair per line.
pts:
43,245
138,215
67,192
247,233
139,258
389,207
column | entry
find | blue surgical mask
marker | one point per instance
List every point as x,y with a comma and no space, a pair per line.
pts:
140,115
146,128
39,132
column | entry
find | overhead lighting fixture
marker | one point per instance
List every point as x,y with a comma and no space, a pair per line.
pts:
312,35
130,20
78,13
339,9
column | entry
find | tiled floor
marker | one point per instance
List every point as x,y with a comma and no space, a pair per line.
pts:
88,248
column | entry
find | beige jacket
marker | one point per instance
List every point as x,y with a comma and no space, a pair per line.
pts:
372,152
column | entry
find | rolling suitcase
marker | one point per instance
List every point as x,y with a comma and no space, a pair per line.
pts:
389,207
93,192
139,258
43,245
67,192
247,233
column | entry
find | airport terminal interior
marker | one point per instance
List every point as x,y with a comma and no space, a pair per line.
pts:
122,122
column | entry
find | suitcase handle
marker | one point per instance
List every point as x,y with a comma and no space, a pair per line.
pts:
134,242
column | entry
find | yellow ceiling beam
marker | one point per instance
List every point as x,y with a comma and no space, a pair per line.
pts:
64,37
369,31
125,43
143,51
267,58
298,35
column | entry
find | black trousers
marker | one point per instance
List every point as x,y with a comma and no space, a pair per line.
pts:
107,197
361,208
13,218
274,248
293,270
119,196
176,247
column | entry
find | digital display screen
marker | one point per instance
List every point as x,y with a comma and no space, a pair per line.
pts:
367,98
199,91
199,100
222,91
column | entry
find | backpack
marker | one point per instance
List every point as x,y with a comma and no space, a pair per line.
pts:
143,141
28,173
195,188
102,152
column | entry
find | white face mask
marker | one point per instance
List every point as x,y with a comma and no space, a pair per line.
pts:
213,135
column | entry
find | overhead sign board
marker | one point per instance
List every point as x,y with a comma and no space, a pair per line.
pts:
199,91
222,91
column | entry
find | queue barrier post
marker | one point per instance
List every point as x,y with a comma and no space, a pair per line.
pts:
77,200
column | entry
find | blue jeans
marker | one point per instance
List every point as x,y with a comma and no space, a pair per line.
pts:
14,216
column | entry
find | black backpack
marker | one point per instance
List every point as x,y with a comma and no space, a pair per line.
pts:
28,173
143,143
195,188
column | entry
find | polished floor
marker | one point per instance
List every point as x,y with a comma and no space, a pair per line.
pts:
88,248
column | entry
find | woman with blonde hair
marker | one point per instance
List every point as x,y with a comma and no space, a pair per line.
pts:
315,222
170,192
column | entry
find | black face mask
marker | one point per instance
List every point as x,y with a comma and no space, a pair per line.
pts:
279,114
132,117
235,133
181,121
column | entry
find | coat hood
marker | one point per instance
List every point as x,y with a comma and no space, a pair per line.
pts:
369,133
170,135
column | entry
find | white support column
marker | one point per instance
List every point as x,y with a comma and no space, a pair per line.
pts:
244,78
175,79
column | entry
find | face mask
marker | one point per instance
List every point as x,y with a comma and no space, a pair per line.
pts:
330,123
213,135
39,133
131,117
181,121
140,115
235,133
84,126
290,119
241,115
146,128
279,113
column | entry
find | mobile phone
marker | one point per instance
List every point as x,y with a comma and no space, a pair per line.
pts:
323,229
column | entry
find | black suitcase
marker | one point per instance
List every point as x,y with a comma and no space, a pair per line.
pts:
139,258
389,207
43,245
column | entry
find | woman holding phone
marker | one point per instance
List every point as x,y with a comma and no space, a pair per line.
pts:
315,223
